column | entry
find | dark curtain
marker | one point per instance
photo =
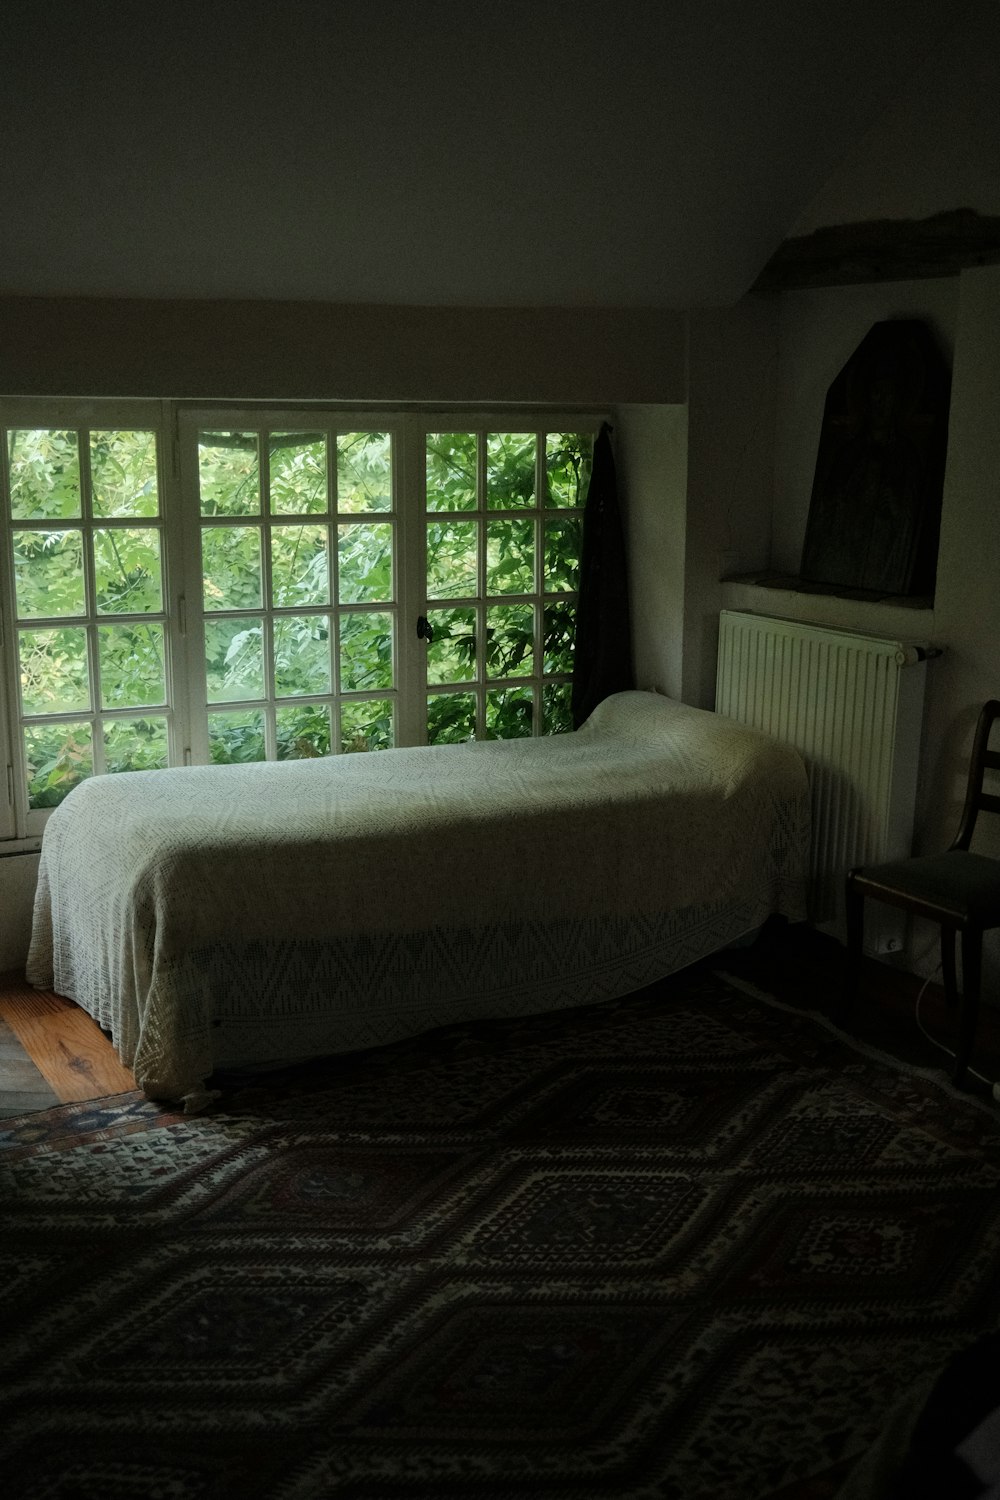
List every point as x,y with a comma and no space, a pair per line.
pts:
602,658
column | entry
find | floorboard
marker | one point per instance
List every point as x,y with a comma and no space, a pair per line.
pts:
67,1049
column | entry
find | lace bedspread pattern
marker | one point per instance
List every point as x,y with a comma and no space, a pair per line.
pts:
221,915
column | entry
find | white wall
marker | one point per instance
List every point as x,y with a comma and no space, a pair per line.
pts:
818,331
18,873
935,149
732,365
651,459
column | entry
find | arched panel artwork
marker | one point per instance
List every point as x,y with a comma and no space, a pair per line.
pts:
875,510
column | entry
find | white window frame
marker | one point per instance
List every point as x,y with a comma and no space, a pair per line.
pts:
193,419
539,422
176,424
81,416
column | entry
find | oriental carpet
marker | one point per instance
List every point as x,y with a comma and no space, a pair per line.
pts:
688,1244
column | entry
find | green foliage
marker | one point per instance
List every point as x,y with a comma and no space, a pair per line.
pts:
48,573
510,713
135,744
303,732
366,726
123,473
364,471
451,718
510,470
58,757
44,474
532,499
452,467
236,737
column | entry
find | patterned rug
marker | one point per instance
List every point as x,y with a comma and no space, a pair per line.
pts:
689,1244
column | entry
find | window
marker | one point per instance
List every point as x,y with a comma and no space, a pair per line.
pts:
503,528
193,585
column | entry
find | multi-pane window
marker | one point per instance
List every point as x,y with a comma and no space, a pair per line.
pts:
89,610
503,530
185,585
297,530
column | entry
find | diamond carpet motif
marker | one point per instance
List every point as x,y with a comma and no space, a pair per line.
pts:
689,1244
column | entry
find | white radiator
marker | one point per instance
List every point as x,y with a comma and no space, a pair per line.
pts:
852,705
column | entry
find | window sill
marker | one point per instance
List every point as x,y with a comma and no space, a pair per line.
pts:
769,593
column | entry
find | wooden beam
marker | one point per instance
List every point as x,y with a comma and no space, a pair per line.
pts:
884,250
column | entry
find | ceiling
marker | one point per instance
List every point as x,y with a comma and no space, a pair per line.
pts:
510,153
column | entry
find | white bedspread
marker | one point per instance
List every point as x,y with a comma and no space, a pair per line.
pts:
230,914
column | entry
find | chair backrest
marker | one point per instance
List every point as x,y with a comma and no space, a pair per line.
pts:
983,759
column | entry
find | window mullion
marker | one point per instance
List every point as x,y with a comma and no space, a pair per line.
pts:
268,620
409,480
482,560
189,601
90,603
12,802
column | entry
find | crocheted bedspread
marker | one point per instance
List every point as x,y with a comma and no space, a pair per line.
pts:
216,916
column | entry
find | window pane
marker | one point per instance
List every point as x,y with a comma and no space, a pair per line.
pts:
230,560
53,665
365,652
562,554
451,559
366,726
364,563
510,470
510,557
127,574
364,471
303,731
301,655
557,711
558,637
510,640
567,467
451,655
234,660
509,713
123,473
44,474
297,472
58,757
236,736
300,565
451,471
451,718
135,744
48,573
131,662
228,474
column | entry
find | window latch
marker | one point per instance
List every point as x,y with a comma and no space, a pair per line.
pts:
425,630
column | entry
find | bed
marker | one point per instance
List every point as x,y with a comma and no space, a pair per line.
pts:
217,917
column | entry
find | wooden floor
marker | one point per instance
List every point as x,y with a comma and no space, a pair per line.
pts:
52,1052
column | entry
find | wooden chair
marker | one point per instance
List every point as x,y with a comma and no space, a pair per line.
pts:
958,889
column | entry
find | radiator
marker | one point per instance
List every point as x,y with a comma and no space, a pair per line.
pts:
852,705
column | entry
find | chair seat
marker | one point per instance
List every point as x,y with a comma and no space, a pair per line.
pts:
958,885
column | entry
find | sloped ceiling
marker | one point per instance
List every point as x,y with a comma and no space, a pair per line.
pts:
511,153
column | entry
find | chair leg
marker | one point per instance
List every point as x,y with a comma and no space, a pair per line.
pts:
972,952
854,902
948,936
